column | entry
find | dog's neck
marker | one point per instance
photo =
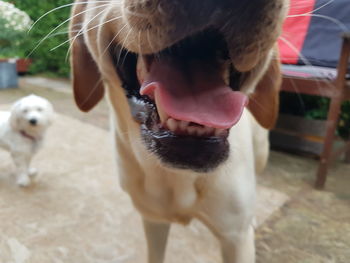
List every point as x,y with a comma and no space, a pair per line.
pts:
28,136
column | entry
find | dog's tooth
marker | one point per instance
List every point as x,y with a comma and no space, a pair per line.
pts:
141,69
162,114
219,132
226,75
172,124
191,130
183,125
201,131
209,130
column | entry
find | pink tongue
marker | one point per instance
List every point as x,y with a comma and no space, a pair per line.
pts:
202,99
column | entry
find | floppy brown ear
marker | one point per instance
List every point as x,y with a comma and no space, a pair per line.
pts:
87,83
264,102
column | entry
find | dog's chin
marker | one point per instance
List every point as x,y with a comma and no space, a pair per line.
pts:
186,152
196,153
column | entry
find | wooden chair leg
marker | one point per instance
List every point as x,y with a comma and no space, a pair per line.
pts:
321,175
332,121
347,156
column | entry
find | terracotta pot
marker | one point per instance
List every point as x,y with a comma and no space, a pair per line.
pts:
23,65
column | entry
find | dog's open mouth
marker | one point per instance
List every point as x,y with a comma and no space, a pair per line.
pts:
186,99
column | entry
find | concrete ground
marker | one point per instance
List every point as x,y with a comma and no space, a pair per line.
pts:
75,211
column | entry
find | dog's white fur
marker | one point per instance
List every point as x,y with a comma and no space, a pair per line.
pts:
20,137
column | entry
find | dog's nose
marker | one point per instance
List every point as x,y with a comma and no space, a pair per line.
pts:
33,121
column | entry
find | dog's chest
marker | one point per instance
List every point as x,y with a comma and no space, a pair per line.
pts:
166,197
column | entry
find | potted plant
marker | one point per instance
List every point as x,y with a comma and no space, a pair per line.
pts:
14,25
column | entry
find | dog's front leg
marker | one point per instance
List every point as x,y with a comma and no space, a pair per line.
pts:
156,236
22,162
229,214
238,247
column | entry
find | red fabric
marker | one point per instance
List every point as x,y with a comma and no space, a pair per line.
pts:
295,29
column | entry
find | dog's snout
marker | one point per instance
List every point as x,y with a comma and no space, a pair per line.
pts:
33,121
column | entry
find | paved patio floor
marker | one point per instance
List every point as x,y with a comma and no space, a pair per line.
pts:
76,212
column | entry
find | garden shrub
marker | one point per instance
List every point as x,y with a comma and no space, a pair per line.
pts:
46,61
14,25
313,107
320,113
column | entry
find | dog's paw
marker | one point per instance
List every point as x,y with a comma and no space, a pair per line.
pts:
23,181
254,223
32,172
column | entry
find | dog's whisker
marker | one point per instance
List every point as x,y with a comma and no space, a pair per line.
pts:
302,58
123,44
306,62
149,40
92,28
84,27
161,9
299,4
63,6
62,33
111,42
259,49
126,54
341,25
318,8
91,92
61,24
139,40
257,102
295,49
129,12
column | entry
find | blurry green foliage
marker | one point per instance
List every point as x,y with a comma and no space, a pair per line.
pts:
14,25
320,113
316,108
46,61
344,123
12,43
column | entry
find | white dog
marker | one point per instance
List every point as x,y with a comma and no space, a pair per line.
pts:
22,132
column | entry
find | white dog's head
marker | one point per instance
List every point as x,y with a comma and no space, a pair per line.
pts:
31,114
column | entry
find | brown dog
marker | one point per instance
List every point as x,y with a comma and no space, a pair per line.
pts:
178,74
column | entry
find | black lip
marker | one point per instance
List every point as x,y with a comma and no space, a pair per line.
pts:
200,154
186,152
